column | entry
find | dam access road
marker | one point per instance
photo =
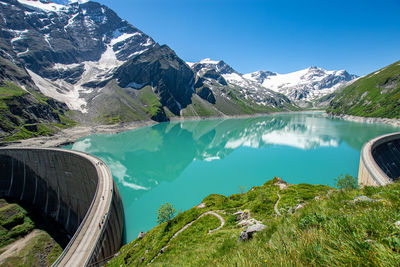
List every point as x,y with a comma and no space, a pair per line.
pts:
74,188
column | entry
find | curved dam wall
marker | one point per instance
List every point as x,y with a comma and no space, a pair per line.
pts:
380,160
74,188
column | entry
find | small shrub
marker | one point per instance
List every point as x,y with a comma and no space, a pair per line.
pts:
165,213
346,182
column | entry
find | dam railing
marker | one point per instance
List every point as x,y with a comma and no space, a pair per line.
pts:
74,188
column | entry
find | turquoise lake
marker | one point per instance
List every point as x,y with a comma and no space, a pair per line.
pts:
183,162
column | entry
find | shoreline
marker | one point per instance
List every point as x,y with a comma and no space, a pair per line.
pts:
71,135
392,122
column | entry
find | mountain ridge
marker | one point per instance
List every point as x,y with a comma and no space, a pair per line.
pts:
374,95
305,85
81,53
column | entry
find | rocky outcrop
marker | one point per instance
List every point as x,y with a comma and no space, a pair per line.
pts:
364,199
249,232
281,183
206,93
222,80
171,79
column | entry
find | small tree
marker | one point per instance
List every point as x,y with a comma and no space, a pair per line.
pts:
165,213
346,182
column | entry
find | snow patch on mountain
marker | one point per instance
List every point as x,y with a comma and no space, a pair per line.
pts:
248,89
122,37
68,2
209,61
70,97
307,84
46,6
74,95
190,64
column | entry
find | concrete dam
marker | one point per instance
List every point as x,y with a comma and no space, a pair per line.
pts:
380,160
74,188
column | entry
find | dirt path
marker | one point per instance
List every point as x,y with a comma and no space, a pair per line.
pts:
14,248
276,205
222,220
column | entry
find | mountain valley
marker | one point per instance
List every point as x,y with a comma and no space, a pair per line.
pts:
106,71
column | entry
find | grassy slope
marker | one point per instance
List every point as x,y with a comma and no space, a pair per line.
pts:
208,248
326,232
118,106
39,251
14,224
122,105
17,126
375,95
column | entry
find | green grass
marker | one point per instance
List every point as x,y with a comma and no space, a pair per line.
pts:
150,101
15,125
327,231
43,129
375,95
40,251
194,246
14,223
199,107
10,90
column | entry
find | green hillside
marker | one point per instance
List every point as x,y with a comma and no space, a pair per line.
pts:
328,228
27,113
375,95
38,247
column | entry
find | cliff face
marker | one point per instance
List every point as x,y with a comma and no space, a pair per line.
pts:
164,71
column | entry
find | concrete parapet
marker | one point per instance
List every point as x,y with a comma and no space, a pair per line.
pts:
74,188
371,161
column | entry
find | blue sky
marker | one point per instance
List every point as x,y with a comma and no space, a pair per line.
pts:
281,36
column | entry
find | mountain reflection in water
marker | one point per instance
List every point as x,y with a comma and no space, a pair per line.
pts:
182,162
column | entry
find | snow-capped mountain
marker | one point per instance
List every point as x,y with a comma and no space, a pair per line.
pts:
305,85
67,48
217,74
104,69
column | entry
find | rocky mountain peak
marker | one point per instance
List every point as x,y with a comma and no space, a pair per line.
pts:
260,76
68,2
70,44
218,65
303,85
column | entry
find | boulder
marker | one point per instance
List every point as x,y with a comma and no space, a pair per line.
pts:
248,222
297,207
141,235
364,199
248,233
242,215
281,183
201,205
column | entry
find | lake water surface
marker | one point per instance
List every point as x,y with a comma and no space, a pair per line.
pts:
183,162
